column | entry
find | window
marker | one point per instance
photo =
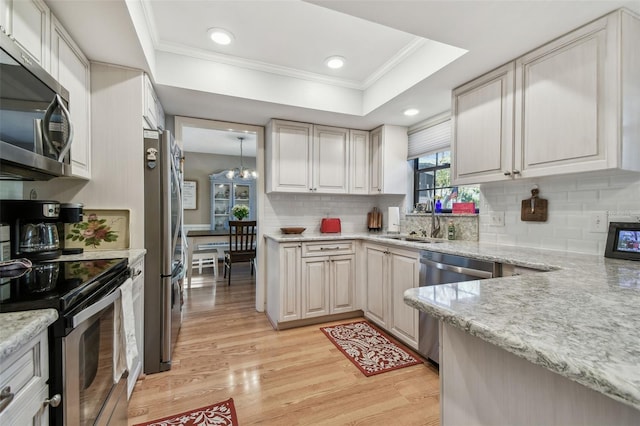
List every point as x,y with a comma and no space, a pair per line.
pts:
432,180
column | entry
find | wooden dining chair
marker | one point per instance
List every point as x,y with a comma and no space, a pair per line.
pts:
242,245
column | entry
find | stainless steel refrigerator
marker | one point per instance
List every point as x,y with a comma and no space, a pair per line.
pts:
164,261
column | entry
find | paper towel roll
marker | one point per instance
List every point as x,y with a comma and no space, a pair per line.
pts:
394,219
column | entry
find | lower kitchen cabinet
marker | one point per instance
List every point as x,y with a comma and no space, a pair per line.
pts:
310,280
328,285
24,375
388,273
138,313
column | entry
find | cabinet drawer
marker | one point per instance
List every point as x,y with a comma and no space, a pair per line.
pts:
26,371
327,248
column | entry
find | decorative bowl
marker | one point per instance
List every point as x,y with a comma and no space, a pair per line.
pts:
292,230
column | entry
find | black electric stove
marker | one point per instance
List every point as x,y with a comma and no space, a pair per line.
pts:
61,285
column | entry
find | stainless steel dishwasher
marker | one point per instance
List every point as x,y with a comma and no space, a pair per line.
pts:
439,268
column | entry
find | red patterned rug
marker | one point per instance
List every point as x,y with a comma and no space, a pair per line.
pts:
222,413
368,348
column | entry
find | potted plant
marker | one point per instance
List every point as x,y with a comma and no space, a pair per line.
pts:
240,211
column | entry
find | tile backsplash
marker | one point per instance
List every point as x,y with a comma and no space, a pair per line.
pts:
573,199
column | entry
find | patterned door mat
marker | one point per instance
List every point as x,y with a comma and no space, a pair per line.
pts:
368,348
220,414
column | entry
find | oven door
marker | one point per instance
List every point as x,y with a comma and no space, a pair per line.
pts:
88,368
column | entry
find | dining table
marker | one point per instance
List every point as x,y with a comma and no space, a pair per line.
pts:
197,238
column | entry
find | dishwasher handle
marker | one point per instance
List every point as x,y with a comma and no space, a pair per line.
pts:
458,269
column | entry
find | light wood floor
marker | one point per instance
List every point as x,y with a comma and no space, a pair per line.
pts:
293,377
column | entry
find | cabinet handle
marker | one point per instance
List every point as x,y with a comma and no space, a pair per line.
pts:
136,273
54,401
6,396
516,172
507,173
329,248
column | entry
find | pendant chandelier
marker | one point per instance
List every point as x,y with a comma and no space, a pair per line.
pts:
241,172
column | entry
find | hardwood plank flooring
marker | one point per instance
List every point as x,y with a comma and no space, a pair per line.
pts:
292,377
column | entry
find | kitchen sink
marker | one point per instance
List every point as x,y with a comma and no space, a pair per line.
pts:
409,238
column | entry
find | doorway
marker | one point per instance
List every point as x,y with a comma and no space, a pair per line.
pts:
200,134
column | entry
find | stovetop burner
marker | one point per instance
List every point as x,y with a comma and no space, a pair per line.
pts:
59,285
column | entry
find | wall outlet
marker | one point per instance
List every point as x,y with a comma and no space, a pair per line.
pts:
598,222
496,218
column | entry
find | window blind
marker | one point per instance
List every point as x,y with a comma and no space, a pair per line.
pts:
430,139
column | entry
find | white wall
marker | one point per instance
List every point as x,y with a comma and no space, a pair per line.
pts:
572,200
307,210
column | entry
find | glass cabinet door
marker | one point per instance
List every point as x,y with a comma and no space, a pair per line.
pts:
226,193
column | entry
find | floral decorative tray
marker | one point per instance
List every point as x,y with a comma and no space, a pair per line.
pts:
292,230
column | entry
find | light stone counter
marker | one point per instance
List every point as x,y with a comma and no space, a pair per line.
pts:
581,319
132,254
20,327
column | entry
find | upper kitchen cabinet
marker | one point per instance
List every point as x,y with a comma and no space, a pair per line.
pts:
359,162
483,127
289,156
388,160
71,68
28,23
330,160
576,108
152,111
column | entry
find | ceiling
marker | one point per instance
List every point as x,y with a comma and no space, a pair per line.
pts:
399,54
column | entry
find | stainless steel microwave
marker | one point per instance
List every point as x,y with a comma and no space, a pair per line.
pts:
35,125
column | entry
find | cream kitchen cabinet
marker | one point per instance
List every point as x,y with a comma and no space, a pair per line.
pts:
152,112
482,146
328,278
24,375
283,282
359,148
305,158
388,160
71,68
576,108
28,23
389,271
137,269
289,156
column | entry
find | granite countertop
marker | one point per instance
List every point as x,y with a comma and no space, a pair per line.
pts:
20,327
578,319
132,254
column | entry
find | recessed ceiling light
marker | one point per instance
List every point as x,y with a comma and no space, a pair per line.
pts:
411,111
220,36
334,62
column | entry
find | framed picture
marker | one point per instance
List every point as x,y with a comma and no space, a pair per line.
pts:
190,195
99,230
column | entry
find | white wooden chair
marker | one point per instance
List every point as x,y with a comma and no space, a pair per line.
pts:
205,258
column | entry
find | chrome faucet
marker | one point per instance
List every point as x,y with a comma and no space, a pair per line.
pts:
435,229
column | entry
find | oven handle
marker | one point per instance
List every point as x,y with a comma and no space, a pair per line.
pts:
84,315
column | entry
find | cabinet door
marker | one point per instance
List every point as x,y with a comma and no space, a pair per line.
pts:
289,282
330,159
359,162
483,128
561,99
138,313
342,283
71,68
290,154
28,21
315,286
150,109
375,163
376,282
404,270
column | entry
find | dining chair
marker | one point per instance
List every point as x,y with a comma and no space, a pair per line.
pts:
242,245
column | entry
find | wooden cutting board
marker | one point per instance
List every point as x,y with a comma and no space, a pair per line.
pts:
534,209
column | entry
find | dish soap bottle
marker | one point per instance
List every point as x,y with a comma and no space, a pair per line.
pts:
438,206
451,231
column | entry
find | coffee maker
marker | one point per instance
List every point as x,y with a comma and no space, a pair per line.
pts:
69,213
33,228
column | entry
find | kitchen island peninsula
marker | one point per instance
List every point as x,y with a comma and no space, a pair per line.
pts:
558,347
